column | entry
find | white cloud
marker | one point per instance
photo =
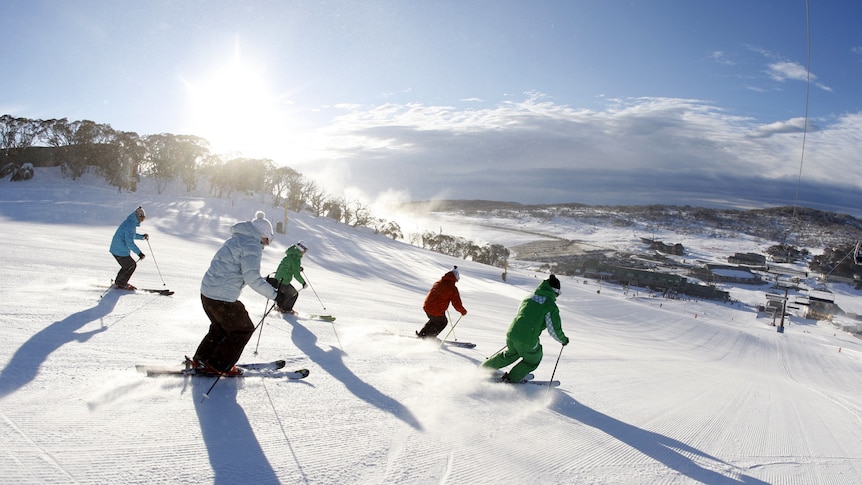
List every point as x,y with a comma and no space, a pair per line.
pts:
535,150
721,58
782,71
794,125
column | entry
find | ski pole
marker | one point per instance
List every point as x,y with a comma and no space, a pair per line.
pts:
305,276
551,382
154,262
450,331
497,352
453,326
261,326
207,394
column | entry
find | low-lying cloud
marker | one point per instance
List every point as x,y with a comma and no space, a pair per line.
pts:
632,151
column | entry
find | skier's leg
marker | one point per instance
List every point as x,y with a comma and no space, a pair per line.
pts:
531,358
214,310
127,268
502,358
433,326
238,329
292,295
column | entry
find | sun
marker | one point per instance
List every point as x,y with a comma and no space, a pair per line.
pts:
236,108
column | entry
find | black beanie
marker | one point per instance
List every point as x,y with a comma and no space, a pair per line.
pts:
554,282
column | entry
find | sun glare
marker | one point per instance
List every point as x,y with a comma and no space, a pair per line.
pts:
236,108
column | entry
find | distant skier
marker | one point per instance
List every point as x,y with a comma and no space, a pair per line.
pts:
235,264
289,268
536,313
437,301
123,245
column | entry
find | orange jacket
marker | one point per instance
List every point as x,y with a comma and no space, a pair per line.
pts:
441,294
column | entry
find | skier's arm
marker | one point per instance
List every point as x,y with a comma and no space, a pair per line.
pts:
456,302
297,274
130,241
250,266
555,326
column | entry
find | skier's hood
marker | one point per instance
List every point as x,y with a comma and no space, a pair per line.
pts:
134,219
545,289
449,276
293,251
245,228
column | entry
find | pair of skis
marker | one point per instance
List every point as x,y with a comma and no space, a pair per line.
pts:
255,369
311,316
529,379
163,291
153,290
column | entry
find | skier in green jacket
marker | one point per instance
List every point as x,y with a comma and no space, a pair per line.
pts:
290,268
537,312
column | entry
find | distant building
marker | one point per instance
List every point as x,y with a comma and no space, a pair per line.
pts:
727,274
747,259
670,283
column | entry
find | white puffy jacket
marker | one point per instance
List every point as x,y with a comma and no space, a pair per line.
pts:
236,264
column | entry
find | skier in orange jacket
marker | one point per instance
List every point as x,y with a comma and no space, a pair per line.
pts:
442,293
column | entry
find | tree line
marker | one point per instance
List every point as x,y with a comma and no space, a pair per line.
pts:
122,158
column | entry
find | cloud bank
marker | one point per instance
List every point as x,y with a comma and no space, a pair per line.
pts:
631,151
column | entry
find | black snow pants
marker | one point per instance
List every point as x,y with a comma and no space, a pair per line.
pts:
229,332
433,327
127,268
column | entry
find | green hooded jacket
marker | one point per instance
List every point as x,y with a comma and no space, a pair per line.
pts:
290,266
537,312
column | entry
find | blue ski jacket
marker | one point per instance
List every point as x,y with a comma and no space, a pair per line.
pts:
123,243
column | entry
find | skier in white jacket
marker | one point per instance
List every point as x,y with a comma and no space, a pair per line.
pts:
235,265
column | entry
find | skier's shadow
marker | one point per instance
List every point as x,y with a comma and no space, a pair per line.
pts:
332,362
234,451
673,453
24,365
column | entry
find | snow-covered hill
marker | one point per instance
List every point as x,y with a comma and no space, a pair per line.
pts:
653,390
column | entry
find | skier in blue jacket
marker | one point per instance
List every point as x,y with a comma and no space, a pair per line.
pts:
123,245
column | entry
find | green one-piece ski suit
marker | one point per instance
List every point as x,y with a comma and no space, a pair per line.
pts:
536,313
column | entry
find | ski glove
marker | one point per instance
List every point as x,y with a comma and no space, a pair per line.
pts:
146,237
304,285
566,342
141,256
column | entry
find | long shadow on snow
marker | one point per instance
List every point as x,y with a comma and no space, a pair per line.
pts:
25,364
332,362
234,451
672,453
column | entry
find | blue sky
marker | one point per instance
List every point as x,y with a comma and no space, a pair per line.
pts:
601,102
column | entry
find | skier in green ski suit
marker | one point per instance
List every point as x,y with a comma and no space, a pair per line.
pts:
289,268
537,312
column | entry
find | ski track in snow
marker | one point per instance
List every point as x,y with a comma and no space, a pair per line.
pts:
653,390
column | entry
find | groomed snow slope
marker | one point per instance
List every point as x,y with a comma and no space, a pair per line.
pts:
653,390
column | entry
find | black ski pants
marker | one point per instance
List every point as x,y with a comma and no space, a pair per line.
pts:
287,289
127,268
229,332
433,327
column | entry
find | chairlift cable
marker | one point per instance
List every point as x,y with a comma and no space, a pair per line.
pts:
807,98
793,218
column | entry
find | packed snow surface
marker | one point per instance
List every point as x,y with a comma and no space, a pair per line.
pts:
653,390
